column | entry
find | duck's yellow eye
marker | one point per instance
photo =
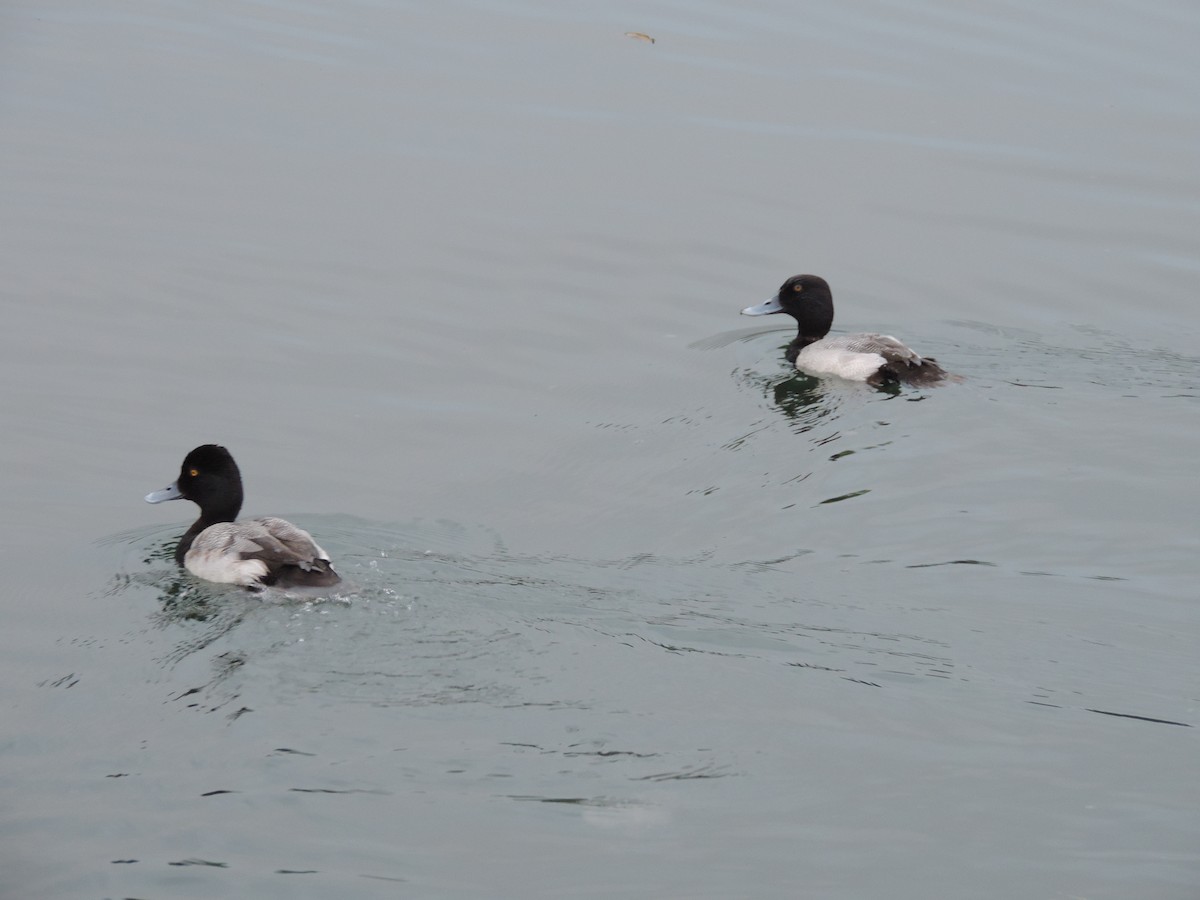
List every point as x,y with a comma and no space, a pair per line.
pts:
193,472
797,288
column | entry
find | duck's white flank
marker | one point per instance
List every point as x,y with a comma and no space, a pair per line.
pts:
817,360
224,568
855,357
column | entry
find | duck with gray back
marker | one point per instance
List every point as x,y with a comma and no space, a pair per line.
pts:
877,359
254,553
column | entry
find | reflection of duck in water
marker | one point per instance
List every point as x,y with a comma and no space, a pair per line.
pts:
877,359
805,402
801,399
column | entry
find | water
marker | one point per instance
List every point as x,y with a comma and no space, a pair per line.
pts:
631,609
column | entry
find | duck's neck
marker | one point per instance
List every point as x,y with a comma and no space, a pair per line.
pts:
207,517
814,318
801,341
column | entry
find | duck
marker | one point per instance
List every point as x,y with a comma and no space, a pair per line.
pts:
253,553
878,359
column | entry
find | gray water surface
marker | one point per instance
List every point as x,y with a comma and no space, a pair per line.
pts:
630,608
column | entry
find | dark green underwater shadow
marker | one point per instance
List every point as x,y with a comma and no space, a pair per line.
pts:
806,399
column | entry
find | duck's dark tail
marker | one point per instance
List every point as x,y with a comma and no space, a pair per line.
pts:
315,573
921,373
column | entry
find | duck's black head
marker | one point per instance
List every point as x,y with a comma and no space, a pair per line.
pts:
209,478
807,299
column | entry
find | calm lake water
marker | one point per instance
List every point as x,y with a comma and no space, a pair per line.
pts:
631,609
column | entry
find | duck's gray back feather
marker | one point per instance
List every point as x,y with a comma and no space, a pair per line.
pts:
891,349
255,551
294,541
